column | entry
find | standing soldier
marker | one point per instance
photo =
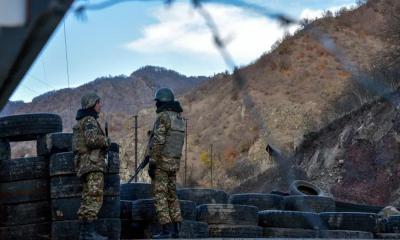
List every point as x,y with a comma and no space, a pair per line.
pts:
166,150
90,145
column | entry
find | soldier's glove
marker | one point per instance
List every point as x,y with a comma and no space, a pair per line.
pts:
152,169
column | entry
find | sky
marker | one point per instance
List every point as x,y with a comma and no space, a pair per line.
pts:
124,37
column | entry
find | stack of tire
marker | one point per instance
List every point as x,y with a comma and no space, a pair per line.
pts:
223,220
139,215
389,228
307,213
131,192
66,191
299,215
24,182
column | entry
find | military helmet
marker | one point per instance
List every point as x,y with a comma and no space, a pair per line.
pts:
164,95
89,100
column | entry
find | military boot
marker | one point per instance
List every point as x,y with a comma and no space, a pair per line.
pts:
176,228
165,232
87,232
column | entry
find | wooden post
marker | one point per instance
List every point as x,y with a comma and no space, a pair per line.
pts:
211,160
136,144
186,149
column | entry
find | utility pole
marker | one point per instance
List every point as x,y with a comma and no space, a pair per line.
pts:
211,160
186,149
136,143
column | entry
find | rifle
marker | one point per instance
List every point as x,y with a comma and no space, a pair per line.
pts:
106,130
146,159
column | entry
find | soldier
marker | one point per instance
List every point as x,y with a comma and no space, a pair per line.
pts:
90,145
165,153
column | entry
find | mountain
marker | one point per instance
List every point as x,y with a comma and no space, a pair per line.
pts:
120,94
306,81
322,73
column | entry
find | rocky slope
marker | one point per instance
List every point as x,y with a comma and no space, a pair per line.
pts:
356,158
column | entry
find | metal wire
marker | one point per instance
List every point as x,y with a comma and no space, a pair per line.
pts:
67,66
41,81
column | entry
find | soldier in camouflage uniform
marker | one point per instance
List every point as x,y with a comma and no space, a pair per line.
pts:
166,151
90,145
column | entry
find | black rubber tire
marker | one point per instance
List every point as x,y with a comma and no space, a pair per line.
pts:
24,213
227,214
53,143
23,169
24,191
280,193
132,230
390,224
235,231
69,230
300,187
309,203
40,231
261,201
202,195
65,209
365,222
189,230
144,210
70,186
28,127
193,229
353,207
387,236
289,233
126,209
135,191
5,149
345,234
113,163
289,219
63,164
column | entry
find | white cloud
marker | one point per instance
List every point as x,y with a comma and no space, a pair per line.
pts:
182,30
317,13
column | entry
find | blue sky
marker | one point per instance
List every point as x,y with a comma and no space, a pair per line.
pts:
122,38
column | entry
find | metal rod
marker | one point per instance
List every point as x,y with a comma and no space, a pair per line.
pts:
136,144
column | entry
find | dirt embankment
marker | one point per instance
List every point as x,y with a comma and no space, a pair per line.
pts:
357,157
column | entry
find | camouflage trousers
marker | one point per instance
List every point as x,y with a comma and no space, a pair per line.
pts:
92,195
166,203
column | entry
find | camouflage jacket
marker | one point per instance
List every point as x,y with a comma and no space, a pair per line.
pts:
167,140
89,146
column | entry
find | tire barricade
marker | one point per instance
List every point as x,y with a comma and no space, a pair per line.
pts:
40,197
24,198
24,182
138,215
130,192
